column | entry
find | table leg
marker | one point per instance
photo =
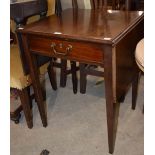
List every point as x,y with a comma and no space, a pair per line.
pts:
135,83
74,76
63,74
111,105
34,73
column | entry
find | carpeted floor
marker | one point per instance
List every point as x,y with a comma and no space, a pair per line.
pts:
77,124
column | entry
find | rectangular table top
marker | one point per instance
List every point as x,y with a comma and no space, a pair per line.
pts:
89,25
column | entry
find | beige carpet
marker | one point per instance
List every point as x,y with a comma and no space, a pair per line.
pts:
77,124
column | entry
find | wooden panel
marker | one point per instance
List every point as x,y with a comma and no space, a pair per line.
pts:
83,52
125,59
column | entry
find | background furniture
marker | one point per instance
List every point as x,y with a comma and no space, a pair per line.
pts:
21,83
139,58
139,54
16,108
20,12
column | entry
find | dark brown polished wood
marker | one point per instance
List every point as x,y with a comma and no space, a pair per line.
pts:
111,45
134,4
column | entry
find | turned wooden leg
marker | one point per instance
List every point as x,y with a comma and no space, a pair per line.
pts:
63,74
83,79
135,83
25,101
52,75
74,76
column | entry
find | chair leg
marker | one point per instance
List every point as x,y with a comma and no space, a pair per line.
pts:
135,83
25,101
74,76
83,79
52,75
30,97
63,74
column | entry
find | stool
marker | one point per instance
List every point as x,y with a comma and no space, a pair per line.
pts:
139,58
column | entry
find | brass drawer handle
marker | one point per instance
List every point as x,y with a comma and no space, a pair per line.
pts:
68,49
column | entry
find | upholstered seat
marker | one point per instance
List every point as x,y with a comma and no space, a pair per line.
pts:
139,54
17,78
139,58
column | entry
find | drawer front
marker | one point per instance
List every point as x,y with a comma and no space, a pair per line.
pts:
79,51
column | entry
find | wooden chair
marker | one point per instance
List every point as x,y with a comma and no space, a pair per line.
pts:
86,69
19,75
22,83
139,58
63,63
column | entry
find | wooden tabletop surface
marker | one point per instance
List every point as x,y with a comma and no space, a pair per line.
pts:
91,25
